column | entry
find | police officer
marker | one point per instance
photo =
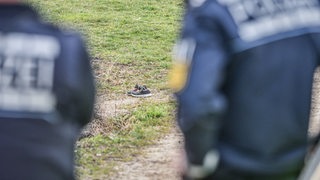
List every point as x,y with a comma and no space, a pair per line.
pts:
243,76
46,95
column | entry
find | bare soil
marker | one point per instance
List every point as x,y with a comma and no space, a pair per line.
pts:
158,161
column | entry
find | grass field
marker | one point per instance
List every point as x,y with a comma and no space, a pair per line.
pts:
133,34
130,41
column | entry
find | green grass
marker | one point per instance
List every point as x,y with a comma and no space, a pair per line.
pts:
130,41
136,35
96,156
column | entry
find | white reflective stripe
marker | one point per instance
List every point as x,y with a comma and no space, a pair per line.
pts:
30,101
282,22
210,164
311,170
197,3
183,51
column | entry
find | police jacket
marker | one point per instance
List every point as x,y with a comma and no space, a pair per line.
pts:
46,96
243,77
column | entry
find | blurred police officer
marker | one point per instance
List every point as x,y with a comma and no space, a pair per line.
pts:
243,76
46,95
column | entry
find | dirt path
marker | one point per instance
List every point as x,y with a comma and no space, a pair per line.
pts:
157,163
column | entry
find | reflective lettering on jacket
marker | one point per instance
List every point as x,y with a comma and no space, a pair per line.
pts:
257,19
26,72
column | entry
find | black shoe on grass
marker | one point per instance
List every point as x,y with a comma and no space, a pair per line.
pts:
142,91
137,87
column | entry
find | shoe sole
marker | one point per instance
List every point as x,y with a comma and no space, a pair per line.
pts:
142,95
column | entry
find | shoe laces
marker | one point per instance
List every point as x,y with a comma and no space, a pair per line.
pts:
144,87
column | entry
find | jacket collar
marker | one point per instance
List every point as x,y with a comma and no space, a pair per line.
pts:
9,11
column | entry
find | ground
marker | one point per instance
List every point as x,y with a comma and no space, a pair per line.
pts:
159,161
156,162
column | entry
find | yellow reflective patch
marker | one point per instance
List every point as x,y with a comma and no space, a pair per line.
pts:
178,76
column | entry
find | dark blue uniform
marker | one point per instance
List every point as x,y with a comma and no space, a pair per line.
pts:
46,96
243,78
